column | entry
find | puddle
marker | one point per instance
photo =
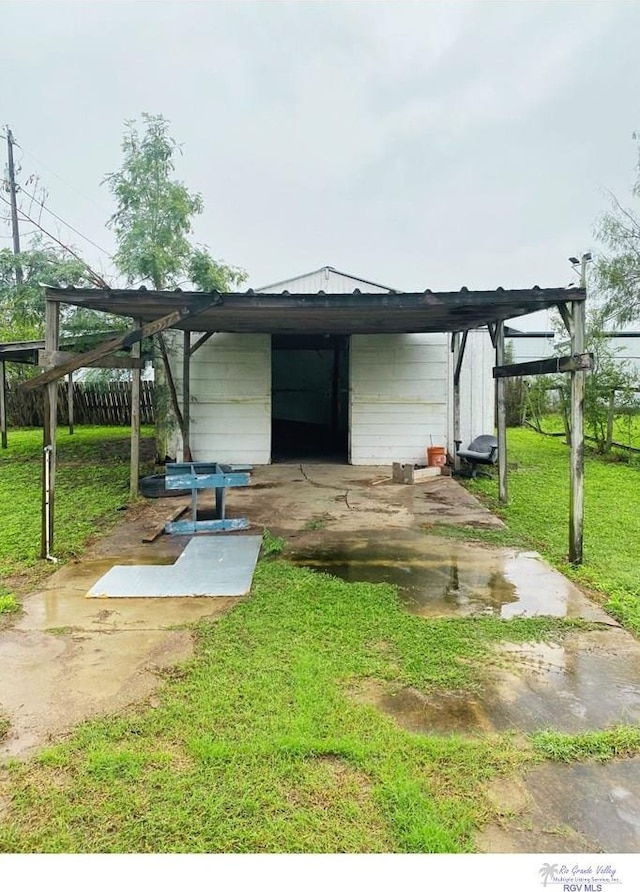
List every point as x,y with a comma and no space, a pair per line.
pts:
587,682
437,577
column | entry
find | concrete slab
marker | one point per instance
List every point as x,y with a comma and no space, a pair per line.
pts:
588,807
287,498
209,566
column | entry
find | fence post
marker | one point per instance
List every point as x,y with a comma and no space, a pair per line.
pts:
610,415
3,404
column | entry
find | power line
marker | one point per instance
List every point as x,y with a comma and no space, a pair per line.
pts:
97,278
63,180
64,222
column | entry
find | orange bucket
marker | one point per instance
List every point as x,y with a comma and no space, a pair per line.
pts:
436,456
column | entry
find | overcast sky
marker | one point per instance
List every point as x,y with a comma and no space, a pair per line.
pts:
414,144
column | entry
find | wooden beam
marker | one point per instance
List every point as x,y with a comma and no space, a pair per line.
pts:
566,313
501,419
171,383
51,340
186,396
202,340
3,404
492,326
576,362
134,463
460,357
57,357
127,339
576,503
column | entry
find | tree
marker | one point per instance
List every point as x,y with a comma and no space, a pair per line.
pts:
22,306
617,275
154,212
610,388
152,224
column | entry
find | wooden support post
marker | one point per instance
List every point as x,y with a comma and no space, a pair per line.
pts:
501,418
50,421
610,418
186,397
70,400
3,404
134,469
576,504
457,348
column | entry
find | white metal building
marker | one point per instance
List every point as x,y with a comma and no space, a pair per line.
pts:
363,399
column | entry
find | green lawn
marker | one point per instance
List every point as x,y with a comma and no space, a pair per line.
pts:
538,516
92,482
260,743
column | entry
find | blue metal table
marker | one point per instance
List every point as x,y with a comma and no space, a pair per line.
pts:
196,476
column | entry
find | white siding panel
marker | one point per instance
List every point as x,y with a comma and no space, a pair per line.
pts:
230,398
477,388
399,392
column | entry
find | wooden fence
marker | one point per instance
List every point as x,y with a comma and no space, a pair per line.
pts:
93,403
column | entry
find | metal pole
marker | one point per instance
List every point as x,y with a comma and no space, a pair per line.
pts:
51,343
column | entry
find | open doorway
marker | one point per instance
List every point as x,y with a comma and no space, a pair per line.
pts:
309,398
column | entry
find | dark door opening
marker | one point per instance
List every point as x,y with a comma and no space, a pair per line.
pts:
309,398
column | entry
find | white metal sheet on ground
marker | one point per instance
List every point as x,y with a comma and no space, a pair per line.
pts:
209,566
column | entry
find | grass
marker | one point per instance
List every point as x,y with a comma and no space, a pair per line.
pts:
9,604
92,482
597,745
538,517
258,746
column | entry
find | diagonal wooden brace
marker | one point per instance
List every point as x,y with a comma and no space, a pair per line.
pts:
124,340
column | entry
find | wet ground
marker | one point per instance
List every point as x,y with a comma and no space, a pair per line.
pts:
69,657
532,687
445,577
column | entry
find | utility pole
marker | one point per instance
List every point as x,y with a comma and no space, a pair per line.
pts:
13,189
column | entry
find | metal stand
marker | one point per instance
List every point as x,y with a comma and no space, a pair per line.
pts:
206,475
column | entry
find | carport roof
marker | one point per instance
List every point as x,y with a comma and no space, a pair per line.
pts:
339,314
